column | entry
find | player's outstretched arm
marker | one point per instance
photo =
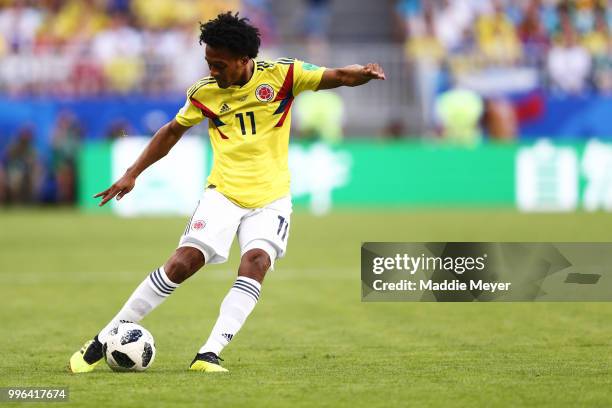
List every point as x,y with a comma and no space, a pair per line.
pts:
352,75
159,146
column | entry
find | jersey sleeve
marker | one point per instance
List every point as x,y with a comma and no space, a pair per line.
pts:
189,115
307,77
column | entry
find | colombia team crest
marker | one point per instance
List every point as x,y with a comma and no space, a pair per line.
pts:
264,93
198,225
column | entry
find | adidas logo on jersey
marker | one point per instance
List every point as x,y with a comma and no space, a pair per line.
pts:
225,108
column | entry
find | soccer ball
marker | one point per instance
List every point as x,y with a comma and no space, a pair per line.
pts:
129,347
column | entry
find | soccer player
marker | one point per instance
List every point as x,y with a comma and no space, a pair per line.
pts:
248,107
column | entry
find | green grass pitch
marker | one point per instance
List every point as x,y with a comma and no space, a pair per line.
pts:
310,341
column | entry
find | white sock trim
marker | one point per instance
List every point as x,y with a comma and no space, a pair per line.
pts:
167,280
160,282
249,286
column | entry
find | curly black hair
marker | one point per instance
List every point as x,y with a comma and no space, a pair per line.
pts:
233,33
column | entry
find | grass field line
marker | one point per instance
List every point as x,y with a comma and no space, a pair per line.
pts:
38,278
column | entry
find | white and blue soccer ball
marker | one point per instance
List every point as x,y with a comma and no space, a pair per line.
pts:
129,347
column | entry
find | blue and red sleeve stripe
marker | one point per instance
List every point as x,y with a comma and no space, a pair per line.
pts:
285,96
210,115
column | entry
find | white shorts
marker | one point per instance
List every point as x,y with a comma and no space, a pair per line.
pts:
216,220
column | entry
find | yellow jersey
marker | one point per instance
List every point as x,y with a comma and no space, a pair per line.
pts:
249,127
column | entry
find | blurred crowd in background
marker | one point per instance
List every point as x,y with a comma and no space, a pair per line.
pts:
91,46
459,70
84,47
487,67
569,41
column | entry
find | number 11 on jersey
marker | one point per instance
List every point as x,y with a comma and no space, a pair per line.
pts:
251,115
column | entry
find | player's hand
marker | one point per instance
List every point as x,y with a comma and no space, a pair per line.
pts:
373,71
120,188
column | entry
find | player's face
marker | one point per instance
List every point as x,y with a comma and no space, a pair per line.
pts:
225,67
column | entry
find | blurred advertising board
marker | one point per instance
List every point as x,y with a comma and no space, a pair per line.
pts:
543,177
171,186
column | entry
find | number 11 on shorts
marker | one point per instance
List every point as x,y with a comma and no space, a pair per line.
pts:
283,223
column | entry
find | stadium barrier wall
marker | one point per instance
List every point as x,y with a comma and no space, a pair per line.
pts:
568,118
531,177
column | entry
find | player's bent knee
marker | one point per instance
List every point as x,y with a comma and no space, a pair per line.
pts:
258,258
254,264
184,262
